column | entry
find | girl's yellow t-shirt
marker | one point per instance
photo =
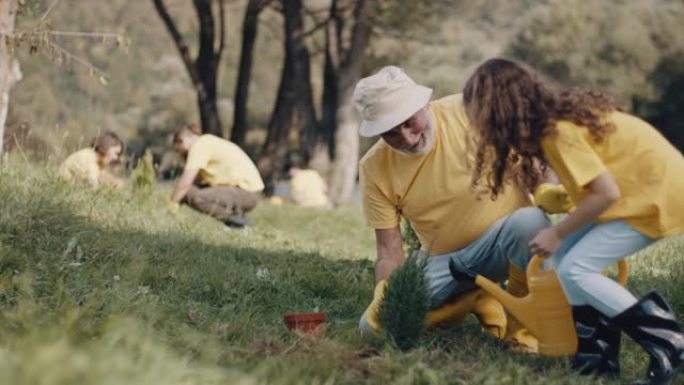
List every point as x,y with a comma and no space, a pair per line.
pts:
647,168
81,165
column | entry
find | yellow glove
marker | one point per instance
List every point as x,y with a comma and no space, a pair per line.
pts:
173,207
454,311
553,198
490,313
373,310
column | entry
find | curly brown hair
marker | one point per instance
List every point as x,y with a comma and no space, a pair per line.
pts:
105,141
512,107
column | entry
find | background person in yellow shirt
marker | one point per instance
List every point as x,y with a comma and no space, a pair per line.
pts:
626,181
89,164
419,170
219,179
308,189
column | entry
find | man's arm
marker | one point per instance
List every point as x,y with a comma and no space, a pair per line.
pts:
390,252
184,183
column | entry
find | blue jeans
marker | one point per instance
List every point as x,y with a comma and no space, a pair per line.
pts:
506,241
586,253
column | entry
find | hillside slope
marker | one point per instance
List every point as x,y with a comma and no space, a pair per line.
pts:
107,287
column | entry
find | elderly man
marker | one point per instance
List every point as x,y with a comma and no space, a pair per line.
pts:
420,170
219,179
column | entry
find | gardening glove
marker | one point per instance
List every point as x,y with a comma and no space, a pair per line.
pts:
552,198
173,207
454,311
490,313
372,313
488,310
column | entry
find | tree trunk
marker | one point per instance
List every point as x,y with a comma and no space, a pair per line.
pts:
203,71
346,140
345,164
9,68
207,66
249,34
330,89
294,109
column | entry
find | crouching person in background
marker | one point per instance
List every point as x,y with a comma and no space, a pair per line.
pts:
218,179
308,188
89,164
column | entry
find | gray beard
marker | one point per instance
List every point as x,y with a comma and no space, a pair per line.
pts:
429,135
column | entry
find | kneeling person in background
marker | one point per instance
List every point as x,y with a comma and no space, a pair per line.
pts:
218,179
89,164
308,188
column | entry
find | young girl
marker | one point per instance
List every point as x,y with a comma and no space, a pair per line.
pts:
89,163
626,181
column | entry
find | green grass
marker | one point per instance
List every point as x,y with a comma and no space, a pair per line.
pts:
106,287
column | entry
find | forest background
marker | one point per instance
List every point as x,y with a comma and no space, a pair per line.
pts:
294,103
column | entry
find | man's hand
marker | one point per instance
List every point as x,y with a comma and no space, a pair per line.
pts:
173,207
546,242
373,311
184,183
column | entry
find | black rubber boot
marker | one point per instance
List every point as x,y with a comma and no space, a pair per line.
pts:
598,345
652,324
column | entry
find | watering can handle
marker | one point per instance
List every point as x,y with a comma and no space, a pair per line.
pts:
623,270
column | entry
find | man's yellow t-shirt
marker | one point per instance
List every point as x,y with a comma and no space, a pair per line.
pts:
223,163
81,165
648,170
433,191
309,189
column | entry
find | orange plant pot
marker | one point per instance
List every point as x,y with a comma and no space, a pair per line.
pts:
306,323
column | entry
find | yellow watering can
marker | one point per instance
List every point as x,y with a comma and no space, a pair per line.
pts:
545,311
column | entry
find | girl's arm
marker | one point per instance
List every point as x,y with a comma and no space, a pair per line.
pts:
603,192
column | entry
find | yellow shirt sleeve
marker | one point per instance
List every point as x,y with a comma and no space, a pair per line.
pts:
379,211
570,154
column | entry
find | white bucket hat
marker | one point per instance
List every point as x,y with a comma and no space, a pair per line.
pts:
387,99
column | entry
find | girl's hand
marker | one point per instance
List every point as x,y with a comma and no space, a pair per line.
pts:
546,242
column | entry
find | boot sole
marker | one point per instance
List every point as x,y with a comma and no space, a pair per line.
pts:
663,381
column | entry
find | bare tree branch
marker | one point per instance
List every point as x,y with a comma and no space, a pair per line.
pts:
222,30
203,68
71,57
182,47
321,24
47,12
83,34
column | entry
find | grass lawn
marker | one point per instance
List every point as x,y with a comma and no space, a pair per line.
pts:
107,287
